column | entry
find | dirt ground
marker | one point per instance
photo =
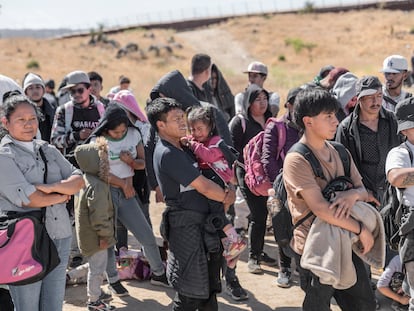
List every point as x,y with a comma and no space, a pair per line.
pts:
264,295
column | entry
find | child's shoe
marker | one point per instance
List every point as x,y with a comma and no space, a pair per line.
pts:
234,249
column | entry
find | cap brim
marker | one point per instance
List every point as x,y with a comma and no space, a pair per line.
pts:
405,125
254,71
390,70
68,86
367,92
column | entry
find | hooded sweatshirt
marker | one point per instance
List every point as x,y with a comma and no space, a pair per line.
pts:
94,211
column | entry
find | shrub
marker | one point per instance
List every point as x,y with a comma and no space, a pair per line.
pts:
298,44
282,58
33,64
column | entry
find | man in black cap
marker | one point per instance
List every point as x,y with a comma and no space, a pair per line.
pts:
369,132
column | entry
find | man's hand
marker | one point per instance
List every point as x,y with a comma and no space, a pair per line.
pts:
128,189
366,239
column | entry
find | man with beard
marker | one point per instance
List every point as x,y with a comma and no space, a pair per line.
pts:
395,69
34,89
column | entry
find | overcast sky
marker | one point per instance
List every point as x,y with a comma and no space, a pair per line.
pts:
81,14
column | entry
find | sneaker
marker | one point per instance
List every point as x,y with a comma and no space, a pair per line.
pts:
253,266
159,280
105,297
234,249
264,259
118,290
234,289
283,278
76,262
99,306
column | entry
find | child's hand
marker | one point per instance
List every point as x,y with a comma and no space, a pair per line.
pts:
126,156
185,141
103,243
128,189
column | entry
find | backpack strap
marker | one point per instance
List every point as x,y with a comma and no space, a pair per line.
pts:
316,166
281,141
68,115
389,100
410,153
310,157
344,155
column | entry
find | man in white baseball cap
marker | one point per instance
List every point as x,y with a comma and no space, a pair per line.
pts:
257,74
395,69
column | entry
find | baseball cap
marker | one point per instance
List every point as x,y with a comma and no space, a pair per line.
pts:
404,111
76,77
256,67
292,95
394,64
367,85
325,71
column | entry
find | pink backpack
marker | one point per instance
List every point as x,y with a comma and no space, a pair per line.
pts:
255,177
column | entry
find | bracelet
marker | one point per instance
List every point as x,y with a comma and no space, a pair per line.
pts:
360,228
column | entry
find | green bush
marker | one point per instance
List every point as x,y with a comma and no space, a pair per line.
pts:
298,44
282,58
33,64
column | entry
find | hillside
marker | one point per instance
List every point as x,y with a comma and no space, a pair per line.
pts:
357,40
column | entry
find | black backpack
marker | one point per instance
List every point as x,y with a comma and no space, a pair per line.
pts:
391,211
281,217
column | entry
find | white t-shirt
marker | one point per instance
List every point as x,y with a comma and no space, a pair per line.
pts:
398,157
127,143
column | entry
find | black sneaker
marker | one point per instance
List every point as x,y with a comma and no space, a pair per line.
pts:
117,289
99,306
264,259
234,289
105,297
159,280
76,262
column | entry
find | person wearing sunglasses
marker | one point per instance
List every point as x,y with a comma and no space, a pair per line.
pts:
76,119
73,122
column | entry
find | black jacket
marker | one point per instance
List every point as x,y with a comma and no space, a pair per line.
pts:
348,134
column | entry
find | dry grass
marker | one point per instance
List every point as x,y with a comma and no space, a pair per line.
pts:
357,40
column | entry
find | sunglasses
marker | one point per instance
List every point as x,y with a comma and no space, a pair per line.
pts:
78,90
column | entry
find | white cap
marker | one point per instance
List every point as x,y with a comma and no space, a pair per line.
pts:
394,64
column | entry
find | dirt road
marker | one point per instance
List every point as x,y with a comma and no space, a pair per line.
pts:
264,295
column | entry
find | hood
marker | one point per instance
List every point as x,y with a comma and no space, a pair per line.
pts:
93,158
252,88
344,88
174,85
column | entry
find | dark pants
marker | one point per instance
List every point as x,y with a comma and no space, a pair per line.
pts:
184,303
284,260
359,297
258,216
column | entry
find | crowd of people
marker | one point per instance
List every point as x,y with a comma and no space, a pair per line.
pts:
105,155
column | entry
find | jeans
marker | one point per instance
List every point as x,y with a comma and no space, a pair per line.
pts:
49,293
130,214
359,297
258,216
